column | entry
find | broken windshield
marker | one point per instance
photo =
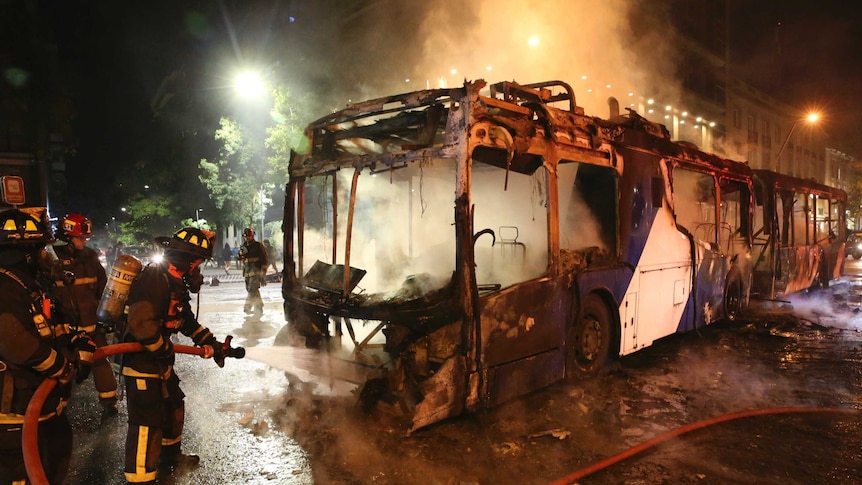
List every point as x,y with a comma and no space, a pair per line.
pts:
402,225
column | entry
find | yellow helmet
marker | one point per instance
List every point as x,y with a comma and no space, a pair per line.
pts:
27,225
191,240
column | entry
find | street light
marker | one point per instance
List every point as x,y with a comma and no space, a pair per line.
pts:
198,217
262,211
249,84
811,118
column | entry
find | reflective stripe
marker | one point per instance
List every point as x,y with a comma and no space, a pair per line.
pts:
129,372
78,281
47,363
141,474
14,418
107,394
158,344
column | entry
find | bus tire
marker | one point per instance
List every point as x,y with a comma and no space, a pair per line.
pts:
733,296
589,339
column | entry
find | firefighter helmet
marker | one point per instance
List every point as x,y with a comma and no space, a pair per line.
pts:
75,225
28,225
248,231
190,240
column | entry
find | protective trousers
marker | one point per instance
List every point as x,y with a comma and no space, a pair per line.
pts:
156,418
253,302
103,374
55,450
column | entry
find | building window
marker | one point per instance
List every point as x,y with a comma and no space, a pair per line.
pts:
737,120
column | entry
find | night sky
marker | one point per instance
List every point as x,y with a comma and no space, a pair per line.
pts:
140,73
809,54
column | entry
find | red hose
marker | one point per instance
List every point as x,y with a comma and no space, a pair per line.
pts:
29,431
569,479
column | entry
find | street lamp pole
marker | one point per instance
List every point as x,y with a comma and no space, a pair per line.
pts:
262,212
198,217
811,118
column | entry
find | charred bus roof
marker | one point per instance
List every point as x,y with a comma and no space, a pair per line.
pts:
386,132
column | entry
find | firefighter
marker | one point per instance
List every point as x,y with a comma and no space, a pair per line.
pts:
33,349
254,264
78,282
159,307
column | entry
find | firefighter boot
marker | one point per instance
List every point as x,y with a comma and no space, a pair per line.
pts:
109,406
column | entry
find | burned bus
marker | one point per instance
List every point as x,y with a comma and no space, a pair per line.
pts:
799,234
494,241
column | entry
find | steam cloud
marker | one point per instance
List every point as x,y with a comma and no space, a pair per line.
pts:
840,308
387,46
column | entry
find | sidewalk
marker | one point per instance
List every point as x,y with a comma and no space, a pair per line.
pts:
233,275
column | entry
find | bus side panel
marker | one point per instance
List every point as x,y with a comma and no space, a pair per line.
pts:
661,282
523,330
514,379
711,278
524,320
800,266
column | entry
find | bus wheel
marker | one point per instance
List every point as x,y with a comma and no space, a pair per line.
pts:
590,339
733,297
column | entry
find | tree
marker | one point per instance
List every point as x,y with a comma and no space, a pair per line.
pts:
149,215
287,132
235,177
244,175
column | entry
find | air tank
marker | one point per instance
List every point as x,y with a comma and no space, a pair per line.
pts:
125,269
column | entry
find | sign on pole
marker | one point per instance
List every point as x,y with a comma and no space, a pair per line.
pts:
13,190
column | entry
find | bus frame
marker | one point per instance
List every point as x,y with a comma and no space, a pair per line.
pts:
670,248
800,231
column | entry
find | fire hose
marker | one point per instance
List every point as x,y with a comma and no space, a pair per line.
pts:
29,431
601,465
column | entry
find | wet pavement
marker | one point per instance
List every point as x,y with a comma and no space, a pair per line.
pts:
800,371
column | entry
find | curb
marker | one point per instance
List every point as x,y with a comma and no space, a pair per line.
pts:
215,280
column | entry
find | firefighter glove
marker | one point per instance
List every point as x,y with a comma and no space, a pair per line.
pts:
84,346
219,351
66,373
68,278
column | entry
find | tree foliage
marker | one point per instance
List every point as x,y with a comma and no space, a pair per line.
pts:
286,133
248,169
235,177
148,215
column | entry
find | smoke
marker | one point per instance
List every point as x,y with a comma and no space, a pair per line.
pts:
602,49
839,308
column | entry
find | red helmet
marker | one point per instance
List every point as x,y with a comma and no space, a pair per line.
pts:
248,232
75,225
